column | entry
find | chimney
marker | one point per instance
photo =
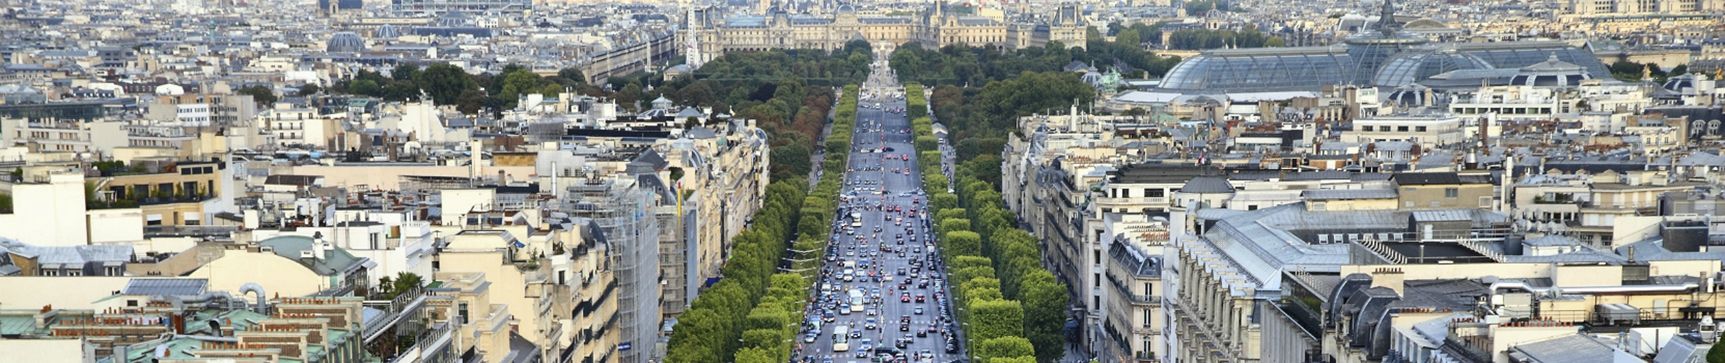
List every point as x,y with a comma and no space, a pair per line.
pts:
1389,277
475,152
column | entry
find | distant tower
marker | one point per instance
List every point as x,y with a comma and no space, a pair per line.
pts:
763,6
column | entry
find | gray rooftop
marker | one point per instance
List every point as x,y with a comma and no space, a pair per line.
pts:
1571,349
165,287
1207,184
1349,194
335,261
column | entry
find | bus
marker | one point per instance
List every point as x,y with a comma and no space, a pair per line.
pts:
841,338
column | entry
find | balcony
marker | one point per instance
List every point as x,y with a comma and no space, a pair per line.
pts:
403,307
431,346
1554,199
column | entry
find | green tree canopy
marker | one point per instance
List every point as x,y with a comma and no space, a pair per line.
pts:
262,95
1004,347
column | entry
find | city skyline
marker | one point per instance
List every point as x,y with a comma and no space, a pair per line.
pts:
781,181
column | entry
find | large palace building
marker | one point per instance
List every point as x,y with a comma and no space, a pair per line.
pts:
711,34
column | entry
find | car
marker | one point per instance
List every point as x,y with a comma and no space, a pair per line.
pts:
810,338
917,311
856,334
904,298
921,333
904,327
920,298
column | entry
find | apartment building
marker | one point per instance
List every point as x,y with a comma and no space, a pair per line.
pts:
1443,191
1134,322
295,126
288,265
527,288
622,207
1602,209
215,105
1428,130
127,319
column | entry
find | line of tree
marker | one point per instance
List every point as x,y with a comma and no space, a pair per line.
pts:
814,232
448,84
1628,71
788,93
715,322
1013,309
979,120
973,66
1195,8
1200,39
1128,48
753,314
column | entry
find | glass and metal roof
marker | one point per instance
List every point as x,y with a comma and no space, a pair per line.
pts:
1523,54
1410,67
1384,57
1263,69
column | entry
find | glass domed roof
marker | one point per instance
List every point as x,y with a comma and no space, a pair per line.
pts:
1407,68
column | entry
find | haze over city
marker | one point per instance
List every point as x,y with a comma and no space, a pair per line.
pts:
835,181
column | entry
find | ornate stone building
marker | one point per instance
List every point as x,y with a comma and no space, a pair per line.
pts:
710,34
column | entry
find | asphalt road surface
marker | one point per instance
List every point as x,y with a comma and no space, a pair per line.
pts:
882,236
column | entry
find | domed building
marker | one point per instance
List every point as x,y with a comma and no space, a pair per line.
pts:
345,42
1551,73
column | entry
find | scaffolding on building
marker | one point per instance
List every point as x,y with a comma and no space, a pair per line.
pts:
624,212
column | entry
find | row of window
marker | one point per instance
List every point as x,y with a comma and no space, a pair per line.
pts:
1127,193
75,272
1387,128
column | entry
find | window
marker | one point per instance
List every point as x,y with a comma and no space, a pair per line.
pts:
1096,281
461,312
1402,128
1420,128
1096,256
1451,192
